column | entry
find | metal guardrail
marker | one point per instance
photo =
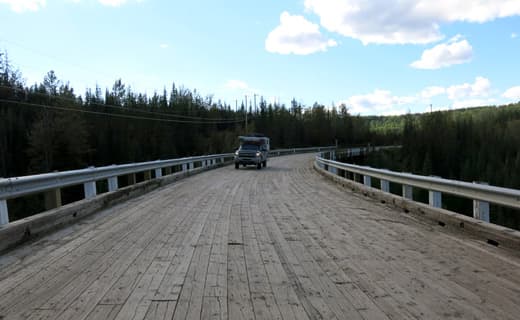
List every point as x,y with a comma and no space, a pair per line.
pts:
481,194
281,152
51,183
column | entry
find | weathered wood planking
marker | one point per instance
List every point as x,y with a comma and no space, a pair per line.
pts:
276,243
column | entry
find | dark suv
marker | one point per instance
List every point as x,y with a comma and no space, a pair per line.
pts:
251,152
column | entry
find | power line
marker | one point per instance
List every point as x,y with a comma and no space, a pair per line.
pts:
42,106
121,107
49,56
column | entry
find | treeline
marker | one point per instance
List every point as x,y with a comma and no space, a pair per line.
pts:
478,144
475,144
48,126
471,145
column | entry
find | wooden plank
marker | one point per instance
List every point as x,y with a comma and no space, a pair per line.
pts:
138,302
160,310
126,283
284,295
386,293
264,305
239,301
313,302
214,304
81,244
54,279
104,312
439,292
281,243
153,241
190,302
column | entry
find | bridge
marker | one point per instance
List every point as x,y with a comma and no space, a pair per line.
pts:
284,242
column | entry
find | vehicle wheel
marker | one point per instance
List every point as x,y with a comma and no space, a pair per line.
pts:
259,166
264,163
244,165
237,165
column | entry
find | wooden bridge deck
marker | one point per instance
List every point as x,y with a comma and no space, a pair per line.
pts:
280,243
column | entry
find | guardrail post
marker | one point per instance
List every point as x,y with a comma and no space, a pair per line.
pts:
192,165
184,166
385,185
4,214
367,181
222,160
407,192
158,172
481,208
90,189
52,199
435,198
112,184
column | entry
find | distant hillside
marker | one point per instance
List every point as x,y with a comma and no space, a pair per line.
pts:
395,124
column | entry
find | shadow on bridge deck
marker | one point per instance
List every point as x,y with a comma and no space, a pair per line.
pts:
276,243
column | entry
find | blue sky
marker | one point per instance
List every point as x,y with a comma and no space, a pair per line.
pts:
377,57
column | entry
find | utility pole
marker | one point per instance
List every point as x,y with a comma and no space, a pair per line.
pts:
246,113
431,108
255,102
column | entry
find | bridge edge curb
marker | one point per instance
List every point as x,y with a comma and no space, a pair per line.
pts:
487,232
35,227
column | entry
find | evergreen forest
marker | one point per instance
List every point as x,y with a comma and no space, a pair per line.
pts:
48,126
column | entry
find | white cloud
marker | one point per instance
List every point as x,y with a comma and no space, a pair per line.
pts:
112,3
394,112
236,85
432,91
377,102
404,21
296,35
470,103
25,5
512,93
383,102
514,35
445,55
163,45
480,88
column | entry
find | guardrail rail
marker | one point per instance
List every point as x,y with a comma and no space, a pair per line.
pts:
51,183
481,194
